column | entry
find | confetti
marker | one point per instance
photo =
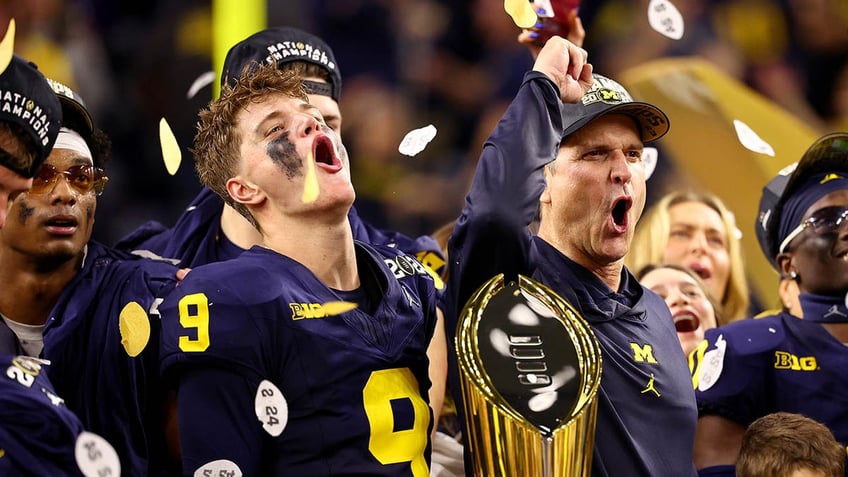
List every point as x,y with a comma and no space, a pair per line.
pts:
7,46
664,17
521,12
416,140
203,80
134,327
332,308
171,152
751,140
649,159
310,182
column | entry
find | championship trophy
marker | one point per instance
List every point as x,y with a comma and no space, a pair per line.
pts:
530,368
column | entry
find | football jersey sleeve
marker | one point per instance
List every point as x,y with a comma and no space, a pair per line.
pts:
728,377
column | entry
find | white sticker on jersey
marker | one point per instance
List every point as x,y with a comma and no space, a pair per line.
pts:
96,457
712,365
272,410
219,468
664,17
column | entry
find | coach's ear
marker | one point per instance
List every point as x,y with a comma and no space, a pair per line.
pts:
244,191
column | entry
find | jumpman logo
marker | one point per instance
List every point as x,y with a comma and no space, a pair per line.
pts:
651,387
834,310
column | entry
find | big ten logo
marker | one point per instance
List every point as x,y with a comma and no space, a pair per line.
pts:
403,266
529,356
643,353
307,310
784,360
24,370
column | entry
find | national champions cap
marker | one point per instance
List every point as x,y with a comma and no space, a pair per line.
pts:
829,153
26,99
608,96
282,45
74,113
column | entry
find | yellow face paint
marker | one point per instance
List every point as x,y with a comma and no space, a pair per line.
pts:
171,152
7,46
521,12
338,307
310,182
135,328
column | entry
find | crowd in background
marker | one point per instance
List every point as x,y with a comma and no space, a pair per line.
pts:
406,64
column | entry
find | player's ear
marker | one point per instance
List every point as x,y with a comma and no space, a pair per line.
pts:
244,191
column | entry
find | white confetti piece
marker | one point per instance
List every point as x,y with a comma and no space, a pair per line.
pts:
202,81
649,159
416,140
751,140
664,17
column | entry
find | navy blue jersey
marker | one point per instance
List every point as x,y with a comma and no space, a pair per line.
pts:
196,238
38,433
646,406
103,346
270,381
750,368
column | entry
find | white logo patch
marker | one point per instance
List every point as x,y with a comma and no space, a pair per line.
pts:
712,365
272,410
218,468
95,456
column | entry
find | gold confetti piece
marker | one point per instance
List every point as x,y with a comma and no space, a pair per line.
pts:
135,328
310,182
521,12
171,152
7,46
338,307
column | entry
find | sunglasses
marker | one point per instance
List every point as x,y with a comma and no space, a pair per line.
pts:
82,178
822,221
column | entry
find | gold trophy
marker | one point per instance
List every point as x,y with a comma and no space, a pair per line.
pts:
530,367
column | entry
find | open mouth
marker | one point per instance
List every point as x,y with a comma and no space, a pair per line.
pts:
701,271
323,152
619,212
686,323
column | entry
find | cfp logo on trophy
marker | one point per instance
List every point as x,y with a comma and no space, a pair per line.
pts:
530,369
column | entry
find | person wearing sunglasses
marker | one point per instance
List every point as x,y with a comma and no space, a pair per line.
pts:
84,307
747,369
